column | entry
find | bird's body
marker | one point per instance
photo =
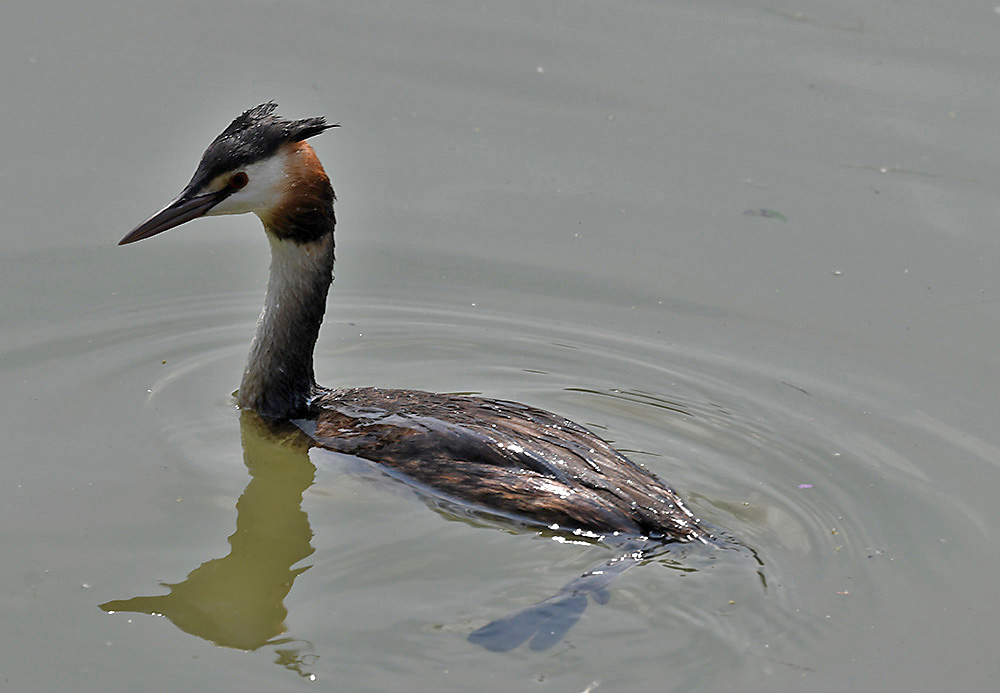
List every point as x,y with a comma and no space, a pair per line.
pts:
503,458
497,457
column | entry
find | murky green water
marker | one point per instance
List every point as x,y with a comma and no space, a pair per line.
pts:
545,203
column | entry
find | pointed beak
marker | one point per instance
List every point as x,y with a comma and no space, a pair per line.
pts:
182,210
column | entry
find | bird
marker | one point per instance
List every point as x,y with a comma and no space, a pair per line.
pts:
491,458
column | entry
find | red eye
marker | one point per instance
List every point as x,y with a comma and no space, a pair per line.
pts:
239,180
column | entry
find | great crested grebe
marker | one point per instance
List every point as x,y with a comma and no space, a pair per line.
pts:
487,456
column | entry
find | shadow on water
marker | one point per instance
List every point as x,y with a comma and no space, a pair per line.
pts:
547,622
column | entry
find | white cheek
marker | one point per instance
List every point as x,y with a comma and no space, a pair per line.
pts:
266,186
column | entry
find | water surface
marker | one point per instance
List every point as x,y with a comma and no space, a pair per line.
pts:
753,247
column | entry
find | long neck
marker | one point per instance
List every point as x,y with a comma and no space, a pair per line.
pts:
278,381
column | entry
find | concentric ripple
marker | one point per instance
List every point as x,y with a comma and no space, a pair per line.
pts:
805,473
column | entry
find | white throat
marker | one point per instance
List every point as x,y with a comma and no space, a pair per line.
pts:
278,381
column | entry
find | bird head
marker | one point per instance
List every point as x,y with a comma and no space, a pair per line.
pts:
261,163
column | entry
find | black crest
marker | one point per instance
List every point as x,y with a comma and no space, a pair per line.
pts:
253,136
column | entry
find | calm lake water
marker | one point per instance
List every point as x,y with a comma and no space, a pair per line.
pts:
754,247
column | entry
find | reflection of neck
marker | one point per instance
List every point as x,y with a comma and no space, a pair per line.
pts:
238,600
278,381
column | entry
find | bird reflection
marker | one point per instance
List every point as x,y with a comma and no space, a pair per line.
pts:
238,600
